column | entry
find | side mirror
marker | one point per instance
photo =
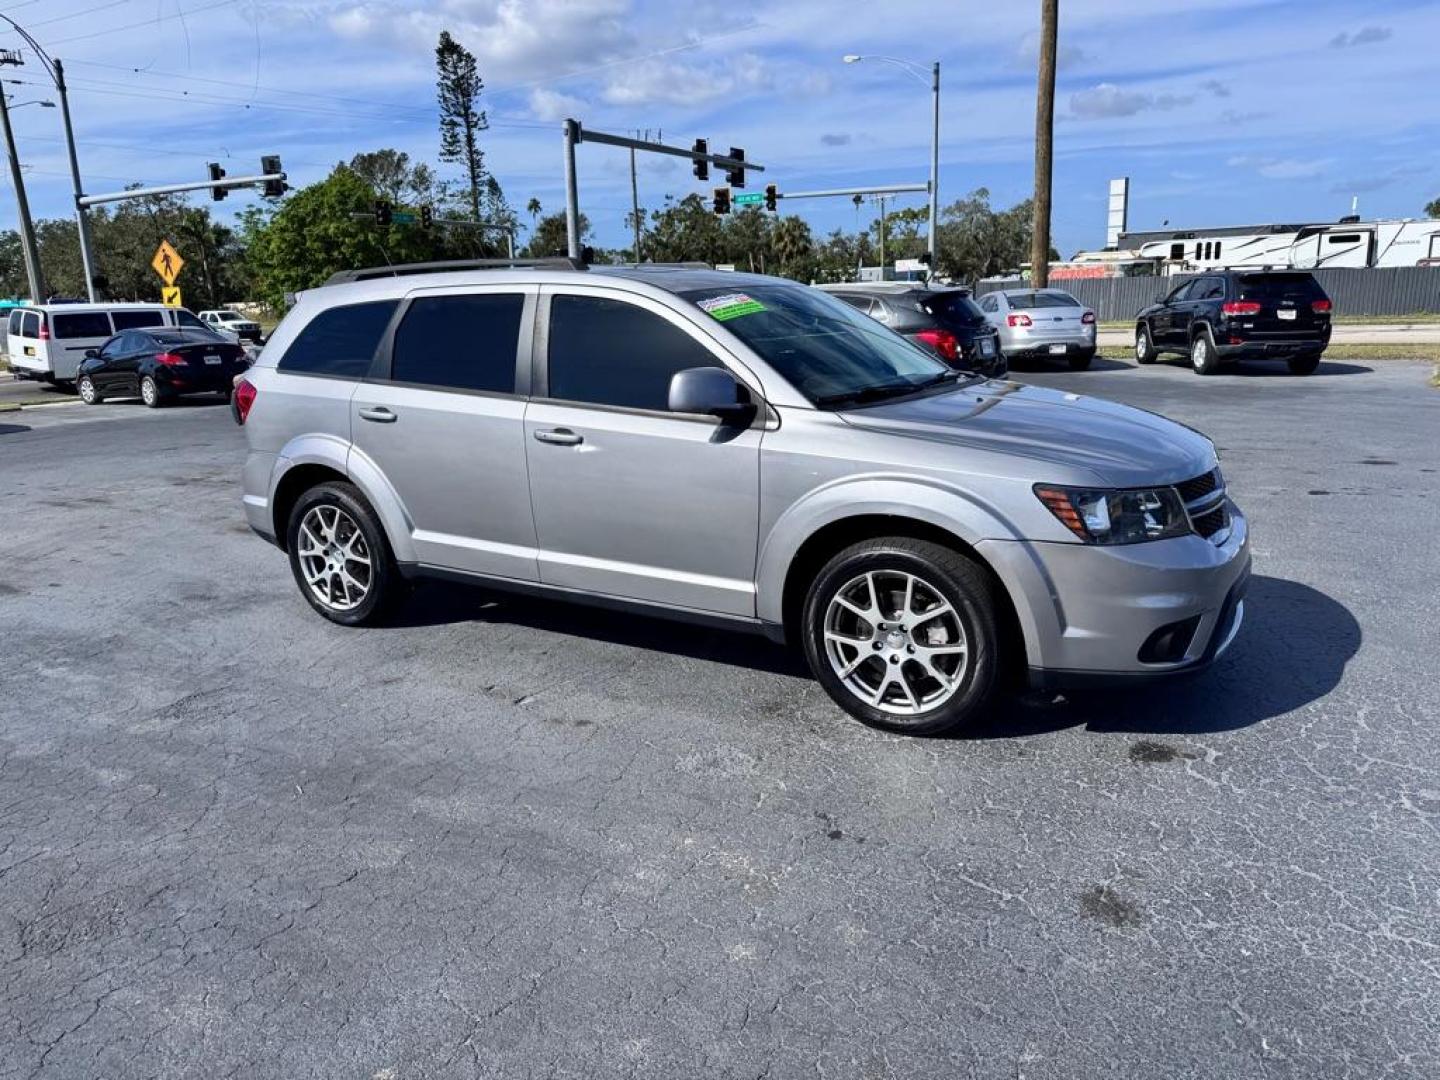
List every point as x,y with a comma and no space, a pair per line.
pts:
712,391
92,354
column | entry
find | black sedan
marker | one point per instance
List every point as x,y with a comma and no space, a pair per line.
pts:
159,365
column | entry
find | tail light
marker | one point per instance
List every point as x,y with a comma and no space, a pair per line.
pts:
170,359
242,399
1088,318
1019,320
1321,307
942,341
1241,307
44,329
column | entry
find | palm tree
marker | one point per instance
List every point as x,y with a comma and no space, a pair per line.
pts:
533,209
792,242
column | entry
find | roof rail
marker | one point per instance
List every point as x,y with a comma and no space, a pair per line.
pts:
693,264
370,273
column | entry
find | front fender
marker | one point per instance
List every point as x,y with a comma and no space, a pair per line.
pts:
932,502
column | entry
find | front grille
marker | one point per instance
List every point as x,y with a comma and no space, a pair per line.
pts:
1190,490
1210,523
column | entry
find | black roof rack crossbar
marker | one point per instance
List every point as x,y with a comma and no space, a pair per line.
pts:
369,273
690,265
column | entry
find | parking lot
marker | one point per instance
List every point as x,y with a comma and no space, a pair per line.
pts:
508,838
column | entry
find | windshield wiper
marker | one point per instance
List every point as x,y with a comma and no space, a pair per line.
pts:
877,392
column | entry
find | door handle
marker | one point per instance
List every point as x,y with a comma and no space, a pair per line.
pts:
560,437
379,413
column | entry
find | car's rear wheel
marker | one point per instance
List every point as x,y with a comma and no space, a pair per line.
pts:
1144,347
1203,357
150,393
340,556
902,635
1304,365
1081,360
86,389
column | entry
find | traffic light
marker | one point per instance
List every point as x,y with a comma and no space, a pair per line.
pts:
722,200
216,175
702,167
270,166
383,210
772,195
427,216
736,177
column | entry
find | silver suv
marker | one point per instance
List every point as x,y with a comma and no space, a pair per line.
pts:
738,450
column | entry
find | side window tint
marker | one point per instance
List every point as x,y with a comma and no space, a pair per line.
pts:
340,341
609,352
1215,289
129,320
30,325
14,326
462,342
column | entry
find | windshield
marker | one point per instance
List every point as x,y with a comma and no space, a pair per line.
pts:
1027,301
825,349
955,307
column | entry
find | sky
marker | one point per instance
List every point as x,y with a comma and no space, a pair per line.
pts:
1220,111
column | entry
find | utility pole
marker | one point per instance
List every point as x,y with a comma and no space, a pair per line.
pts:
884,223
33,276
1044,144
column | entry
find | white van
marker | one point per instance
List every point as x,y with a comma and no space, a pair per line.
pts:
48,341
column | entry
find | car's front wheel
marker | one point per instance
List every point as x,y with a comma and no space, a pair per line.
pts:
86,389
340,556
1144,347
902,635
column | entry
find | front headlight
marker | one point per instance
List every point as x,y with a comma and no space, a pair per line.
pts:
1100,516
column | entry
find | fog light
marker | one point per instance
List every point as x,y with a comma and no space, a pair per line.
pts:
1170,643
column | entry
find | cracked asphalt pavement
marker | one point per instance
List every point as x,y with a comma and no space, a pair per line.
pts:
512,839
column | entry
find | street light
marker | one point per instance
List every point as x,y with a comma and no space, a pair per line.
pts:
42,104
918,70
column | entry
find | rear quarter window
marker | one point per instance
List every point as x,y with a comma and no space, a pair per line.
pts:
339,341
133,320
956,308
80,324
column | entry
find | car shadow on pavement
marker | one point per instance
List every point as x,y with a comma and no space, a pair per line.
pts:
12,429
1275,369
1291,651
436,602
1100,363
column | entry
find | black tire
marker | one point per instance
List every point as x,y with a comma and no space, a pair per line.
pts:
1203,357
150,393
1081,360
1144,347
957,580
1304,365
88,392
385,584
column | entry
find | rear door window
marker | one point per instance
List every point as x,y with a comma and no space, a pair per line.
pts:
954,307
859,303
132,320
1209,289
14,322
67,325
340,342
30,325
459,342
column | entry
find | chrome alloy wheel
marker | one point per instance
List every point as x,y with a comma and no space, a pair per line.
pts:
895,642
149,392
1198,353
87,390
334,557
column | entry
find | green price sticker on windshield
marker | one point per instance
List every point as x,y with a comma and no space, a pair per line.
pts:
730,306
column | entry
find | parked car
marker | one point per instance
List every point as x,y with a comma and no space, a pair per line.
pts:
48,341
740,451
945,322
1046,323
234,323
160,365
1238,314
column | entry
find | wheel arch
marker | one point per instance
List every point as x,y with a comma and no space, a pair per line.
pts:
315,459
293,483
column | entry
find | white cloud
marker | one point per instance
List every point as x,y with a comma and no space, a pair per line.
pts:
1107,100
553,105
1366,35
1067,56
1293,169
689,82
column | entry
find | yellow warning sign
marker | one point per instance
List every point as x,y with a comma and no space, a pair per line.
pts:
167,262
170,296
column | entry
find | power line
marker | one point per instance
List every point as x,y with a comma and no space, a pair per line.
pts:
76,14
135,26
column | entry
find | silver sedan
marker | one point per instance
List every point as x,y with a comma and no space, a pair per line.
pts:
1042,323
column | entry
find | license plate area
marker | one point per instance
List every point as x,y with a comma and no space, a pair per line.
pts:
1286,313
212,359
987,347
1057,350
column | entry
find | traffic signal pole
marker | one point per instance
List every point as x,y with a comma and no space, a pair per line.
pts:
171,189
574,134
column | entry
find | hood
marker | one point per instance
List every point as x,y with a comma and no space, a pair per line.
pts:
1122,446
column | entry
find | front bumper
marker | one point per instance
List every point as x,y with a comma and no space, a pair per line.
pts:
1087,611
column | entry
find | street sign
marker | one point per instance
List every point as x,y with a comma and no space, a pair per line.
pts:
170,296
167,263
748,198
403,217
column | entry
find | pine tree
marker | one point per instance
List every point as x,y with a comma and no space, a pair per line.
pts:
459,86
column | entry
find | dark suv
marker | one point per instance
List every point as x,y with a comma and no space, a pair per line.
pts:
1234,314
946,322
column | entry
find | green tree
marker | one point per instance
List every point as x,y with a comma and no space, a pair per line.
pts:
13,282
394,179
533,208
977,241
549,236
459,85
793,248
684,230
1432,208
